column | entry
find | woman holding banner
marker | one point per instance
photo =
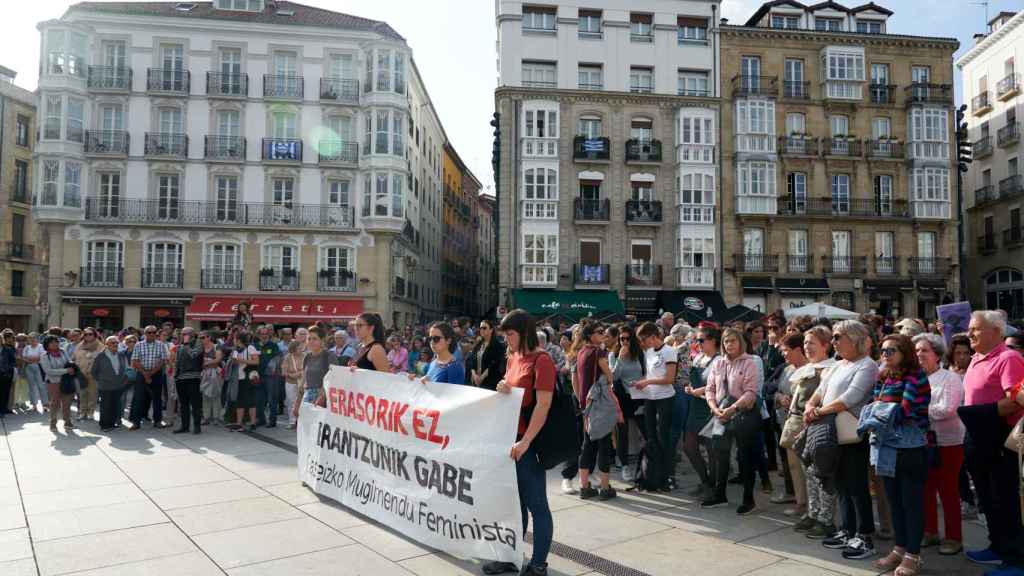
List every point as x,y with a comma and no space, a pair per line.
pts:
444,368
531,369
372,354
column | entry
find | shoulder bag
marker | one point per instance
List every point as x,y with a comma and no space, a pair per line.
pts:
846,428
559,439
1015,441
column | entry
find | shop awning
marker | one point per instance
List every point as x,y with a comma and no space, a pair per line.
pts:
277,309
802,285
572,304
695,305
757,285
888,284
744,313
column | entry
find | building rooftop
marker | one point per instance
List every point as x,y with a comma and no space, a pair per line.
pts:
280,12
767,6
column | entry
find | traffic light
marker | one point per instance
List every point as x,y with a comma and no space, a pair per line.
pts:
964,149
496,149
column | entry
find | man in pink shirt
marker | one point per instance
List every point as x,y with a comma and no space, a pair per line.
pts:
993,373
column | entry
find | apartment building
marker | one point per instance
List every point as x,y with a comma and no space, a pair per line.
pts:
607,150
839,162
196,154
487,264
21,253
993,189
461,277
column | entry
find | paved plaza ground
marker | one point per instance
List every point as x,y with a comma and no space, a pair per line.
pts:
153,503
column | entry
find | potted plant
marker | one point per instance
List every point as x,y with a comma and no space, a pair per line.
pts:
266,272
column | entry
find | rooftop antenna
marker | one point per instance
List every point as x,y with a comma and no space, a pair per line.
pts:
985,4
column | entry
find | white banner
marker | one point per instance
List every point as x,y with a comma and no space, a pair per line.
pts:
430,461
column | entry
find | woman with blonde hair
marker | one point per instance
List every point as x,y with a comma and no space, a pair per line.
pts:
293,374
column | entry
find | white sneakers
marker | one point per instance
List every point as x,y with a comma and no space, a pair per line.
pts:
568,486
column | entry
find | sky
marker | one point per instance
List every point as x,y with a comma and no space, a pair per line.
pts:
453,42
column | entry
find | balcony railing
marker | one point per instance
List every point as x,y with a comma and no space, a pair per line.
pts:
882,93
696,276
191,212
337,151
592,210
982,147
925,93
19,193
336,281
101,277
796,90
643,274
282,149
756,262
798,146
1010,187
163,277
112,78
887,265
166,144
283,86
844,264
1008,86
985,194
799,263
1008,135
643,211
584,148
754,86
981,104
224,148
885,149
987,244
592,274
842,147
279,280
113,142
929,266
1013,236
339,90
168,81
643,150
855,207
227,84
19,250
220,279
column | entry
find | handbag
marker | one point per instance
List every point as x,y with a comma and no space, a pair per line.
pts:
211,382
745,422
846,428
1015,441
790,430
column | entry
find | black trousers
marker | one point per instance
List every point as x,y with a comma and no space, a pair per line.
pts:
996,479
572,466
6,382
110,406
747,446
854,492
629,407
145,394
597,452
906,498
658,430
190,401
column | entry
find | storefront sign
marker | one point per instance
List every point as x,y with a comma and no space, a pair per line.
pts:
275,309
100,312
161,313
693,303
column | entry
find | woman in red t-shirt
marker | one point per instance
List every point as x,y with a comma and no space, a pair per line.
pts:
530,368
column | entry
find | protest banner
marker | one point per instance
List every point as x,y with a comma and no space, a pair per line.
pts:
954,317
431,461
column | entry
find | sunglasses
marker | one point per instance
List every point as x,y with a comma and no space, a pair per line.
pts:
836,337
624,338
435,339
150,332
889,352
483,328
700,340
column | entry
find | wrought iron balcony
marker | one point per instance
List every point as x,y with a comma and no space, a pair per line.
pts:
981,104
336,281
168,81
282,149
890,149
19,250
1010,187
798,146
163,277
196,212
887,265
933,267
338,151
220,279
229,148
848,147
1013,237
166,145
101,277
230,84
926,93
1008,87
107,142
592,210
987,244
109,79
985,194
796,90
982,147
882,93
643,150
584,148
643,212
756,263
279,280
339,90
1008,135
799,263
643,274
847,207
844,265
743,86
592,274
283,86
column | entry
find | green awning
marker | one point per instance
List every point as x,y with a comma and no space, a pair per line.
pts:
576,304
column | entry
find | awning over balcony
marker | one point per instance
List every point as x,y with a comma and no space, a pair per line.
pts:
757,285
575,304
695,305
284,310
802,285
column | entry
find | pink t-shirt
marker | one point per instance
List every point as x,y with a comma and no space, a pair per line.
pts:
990,376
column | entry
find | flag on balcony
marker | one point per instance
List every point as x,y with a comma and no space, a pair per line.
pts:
593,145
593,274
282,150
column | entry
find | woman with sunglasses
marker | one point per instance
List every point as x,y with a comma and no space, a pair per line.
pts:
626,360
591,366
709,340
370,333
54,365
901,394
84,355
487,360
444,368
31,355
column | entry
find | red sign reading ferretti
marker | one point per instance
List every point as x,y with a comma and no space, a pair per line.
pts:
282,309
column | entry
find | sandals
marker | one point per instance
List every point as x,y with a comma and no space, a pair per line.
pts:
910,566
890,562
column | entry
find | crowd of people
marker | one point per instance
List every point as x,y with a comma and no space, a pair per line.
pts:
858,420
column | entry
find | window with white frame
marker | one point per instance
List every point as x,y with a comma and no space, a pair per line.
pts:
227,198
696,258
589,23
168,195
796,124
883,194
383,70
222,263
690,29
399,73
929,133
828,24
641,27
242,5
72,184
870,26
337,268
383,195
785,21
797,261
540,258
697,198
641,79
539,74
76,110
108,196
840,193
284,124
796,189
65,52
539,18
842,70
696,139
540,193
591,77
104,260
755,126
541,123
282,194
756,190
163,265
589,127
54,117
280,257
885,262
693,83
930,192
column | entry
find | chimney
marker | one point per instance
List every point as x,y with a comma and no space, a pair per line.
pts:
979,37
724,21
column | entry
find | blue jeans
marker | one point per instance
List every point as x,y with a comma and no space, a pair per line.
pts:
274,394
533,498
309,395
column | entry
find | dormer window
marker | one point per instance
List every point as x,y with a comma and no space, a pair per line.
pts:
242,5
828,24
870,27
784,21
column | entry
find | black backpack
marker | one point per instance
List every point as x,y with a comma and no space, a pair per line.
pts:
558,441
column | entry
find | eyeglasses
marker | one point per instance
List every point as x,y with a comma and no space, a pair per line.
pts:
435,339
836,337
700,340
624,338
889,351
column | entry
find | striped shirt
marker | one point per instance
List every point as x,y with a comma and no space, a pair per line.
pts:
912,392
149,354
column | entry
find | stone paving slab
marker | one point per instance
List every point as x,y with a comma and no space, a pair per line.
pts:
352,560
26,567
205,493
254,544
197,520
385,542
110,549
672,552
88,497
170,471
15,545
81,521
188,564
